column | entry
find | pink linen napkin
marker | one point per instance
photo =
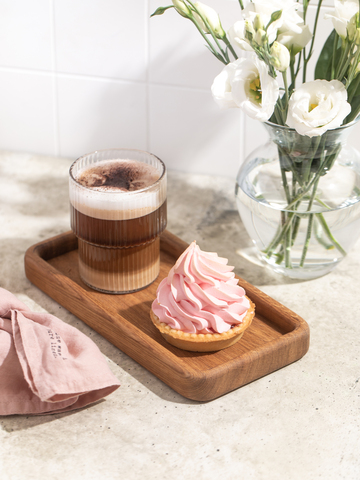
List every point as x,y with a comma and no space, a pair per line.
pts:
46,365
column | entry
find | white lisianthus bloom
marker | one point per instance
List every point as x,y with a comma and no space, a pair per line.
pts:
247,84
341,15
257,14
295,42
221,88
289,20
211,16
252,15
318,106
237,36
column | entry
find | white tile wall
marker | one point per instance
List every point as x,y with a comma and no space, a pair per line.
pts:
198,137
26,34
101,38
27,120
97,113
80,75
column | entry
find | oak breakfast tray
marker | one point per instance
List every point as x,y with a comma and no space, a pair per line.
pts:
276,337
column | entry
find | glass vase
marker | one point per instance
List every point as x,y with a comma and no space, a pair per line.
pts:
299,200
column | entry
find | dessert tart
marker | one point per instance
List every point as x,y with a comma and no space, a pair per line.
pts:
203,342
199,306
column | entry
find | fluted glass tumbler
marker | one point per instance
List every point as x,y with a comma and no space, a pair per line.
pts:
118,211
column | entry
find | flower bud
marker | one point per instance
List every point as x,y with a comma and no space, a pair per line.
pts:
181,8
352,27
258,23
260,37
249,27
275,16
280,56
211,17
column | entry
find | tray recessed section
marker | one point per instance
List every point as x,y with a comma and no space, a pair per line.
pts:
276,337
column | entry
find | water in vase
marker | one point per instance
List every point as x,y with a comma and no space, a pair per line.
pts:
335,223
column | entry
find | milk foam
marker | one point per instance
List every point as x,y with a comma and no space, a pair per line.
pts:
92,193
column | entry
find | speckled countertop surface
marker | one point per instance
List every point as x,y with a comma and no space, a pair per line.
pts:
301,422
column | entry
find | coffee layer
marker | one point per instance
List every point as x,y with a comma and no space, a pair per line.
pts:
119,233
119,270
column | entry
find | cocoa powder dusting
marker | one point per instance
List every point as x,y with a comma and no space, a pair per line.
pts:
122,175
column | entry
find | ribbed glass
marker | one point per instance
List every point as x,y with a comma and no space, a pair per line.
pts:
118,231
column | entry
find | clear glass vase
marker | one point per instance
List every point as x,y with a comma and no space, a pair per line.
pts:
299,200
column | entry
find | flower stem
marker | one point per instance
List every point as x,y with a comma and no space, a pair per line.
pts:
222,54
336,39
285,97
288,244
285,185
308,56
329,234
310,225
345,49
326,164
303,181
278,238
307,240
319,237
230,47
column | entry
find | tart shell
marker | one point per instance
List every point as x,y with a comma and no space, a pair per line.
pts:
199,342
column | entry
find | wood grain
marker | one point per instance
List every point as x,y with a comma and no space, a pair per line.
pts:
276,338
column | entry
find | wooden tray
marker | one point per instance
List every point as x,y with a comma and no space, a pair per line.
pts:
277,336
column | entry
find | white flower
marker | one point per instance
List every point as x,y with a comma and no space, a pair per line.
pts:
212,18
318,106
289,20
257,14
237,35
246,84
222,85
341,15
280,56
181,8
295,42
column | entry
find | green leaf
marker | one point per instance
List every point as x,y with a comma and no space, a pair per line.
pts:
161,10
323,66
217,55
354,88
355,109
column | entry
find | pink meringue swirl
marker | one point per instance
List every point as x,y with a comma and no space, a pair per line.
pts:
200,294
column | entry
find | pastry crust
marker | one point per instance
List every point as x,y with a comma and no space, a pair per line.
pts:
200,342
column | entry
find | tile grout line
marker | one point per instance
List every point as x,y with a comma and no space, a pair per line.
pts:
79,76
54,80
147,61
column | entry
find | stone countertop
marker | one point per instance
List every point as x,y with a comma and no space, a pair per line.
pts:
301,422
